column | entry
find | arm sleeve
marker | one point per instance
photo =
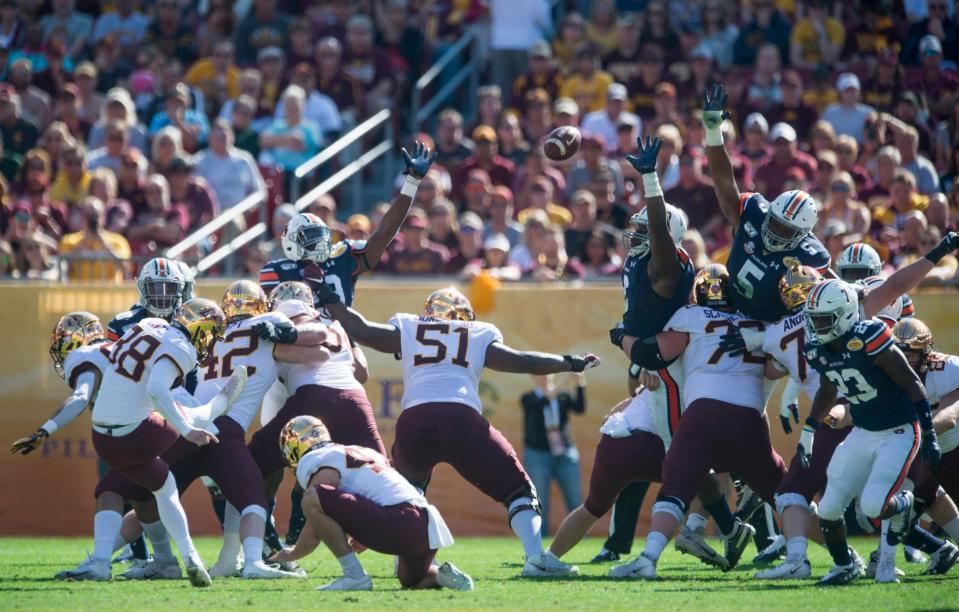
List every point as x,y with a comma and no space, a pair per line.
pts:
878,339
578,402
74,404
790,395
162,376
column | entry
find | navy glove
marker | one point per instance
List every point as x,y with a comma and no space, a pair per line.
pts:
419,164
714,108
325,294
948,244
929,450
192,379
804,448
616,336
645,161
278,334
792,409
732,342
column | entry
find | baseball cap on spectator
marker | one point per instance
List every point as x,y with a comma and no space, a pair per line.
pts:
911,97
665,89
617,91
502,192
359,222
541,48
756,121
701,52
497,242
541,183
180,163
827,157
834,227
484,133
537,96
415,221
141,82
592,139
86,69
470,221
848,80
70,90
929,45
271,52
784,131
626,122
566,106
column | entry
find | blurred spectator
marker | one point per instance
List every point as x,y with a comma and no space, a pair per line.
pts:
903,199
167,144
572,33
194,192
255,256
695,196
318,107
764,88
124,25
695,247
542,73
643,89
600,261
821,137
263,27
937,212
94,253
35,104
245,137
553,263
817,38
476,192
161,224
231,173
36,170
950,178
469,247
485,157
742,166
665,109
109,155
11,29
193,125
443,224
38,260
601,28
586,83
835,237
358,227
537,121
945,270
91,101
216,76
667,164
841,203
171,33
791,109
281,216
947,136
501,218
847,152
606,121
541,198
582,206
771,175
73,180
19,135
489,106
594,167
936,81
755,134
849,116
719,36
622,62
335,83
129,182
515,25
765,25
249,83
451,147
292,140
537,165
300,43
936,24
884,82
368,64
118,106
66,24
271,62
66,108
826,166
416,254
494,263
526,254
512,144
55,137
658,30
907,141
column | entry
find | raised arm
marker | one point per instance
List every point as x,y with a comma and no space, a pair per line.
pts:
416,168
72,406
664,267
908,277
383,338
720,167
502,358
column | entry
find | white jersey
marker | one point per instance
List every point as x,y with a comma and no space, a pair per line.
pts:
710,373
638,413
942,378
241,346
785,341
89,358
365,472
443,360
123,398
336,373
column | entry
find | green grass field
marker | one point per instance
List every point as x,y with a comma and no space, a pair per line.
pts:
27,566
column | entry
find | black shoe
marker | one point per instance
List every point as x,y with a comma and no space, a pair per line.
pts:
942,560
737,542
605,556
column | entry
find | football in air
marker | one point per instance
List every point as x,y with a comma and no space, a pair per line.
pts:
562,143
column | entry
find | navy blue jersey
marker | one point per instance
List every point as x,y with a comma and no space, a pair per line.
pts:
125,320
647,312
756,272
876,401
908,307
339,271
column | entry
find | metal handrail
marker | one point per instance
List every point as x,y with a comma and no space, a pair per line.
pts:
342,174
228,249
335,149
214,225
470,70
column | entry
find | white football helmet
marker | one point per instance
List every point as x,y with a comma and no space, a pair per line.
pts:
637,241
891,312
858,261
161,286
832,308
791,218
189,280
307,237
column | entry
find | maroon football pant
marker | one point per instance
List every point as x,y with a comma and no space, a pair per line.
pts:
619,462
460,436
811,481
136,456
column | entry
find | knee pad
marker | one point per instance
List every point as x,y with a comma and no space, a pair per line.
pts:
785,500
524,499
670,505
259,511
830,527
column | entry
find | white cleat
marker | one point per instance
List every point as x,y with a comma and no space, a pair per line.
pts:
869,571
547,564
154,570
771,553
641,567
693,543
787,570
451,577
197,574
225,568
857,562
98,571
348,583
259,569
886,567
229,393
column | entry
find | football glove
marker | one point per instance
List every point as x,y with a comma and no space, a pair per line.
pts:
948,244
645,161
25,446
732,342
929,449
419,164
714,108
325,294
578,363
804,448
278,334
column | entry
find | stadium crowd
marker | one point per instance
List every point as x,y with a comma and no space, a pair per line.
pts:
127,126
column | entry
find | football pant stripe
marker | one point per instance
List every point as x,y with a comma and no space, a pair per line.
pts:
906,464
673,410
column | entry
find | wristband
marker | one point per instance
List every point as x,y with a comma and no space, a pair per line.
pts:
410,184
576,363
938,252
50,427
924,414
714,136
651,186
812,423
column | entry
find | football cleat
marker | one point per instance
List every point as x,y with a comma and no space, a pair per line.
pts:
197,574
886,566
154,570
98,571
227,568
838,575
772,553
748,504
737,542
642,567
900,523
913,555
693,543
787,570
858,562
942,560
126,554
872,567
451,577
547,564
605,556
348,583
259,569
229,393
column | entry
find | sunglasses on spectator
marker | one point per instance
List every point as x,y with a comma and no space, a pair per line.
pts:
22,217
498,204
115,136
840,187
72,162
439,213
130,164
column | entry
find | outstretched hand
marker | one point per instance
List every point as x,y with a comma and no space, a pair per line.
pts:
645,161
714,109
419,163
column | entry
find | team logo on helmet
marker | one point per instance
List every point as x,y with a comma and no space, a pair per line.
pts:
796,283
203,322
72,331
243,298
711,287
448,303
299,436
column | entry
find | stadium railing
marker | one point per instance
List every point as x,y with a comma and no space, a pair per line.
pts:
466,49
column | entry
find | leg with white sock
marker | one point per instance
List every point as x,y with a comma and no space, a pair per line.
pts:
527,524
226,563
174,519
107,523
667,516
164,564
795,517
252,526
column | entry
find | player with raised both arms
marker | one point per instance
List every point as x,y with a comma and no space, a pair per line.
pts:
443,352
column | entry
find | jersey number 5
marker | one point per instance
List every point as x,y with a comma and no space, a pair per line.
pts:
742,282
439,345
847,376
